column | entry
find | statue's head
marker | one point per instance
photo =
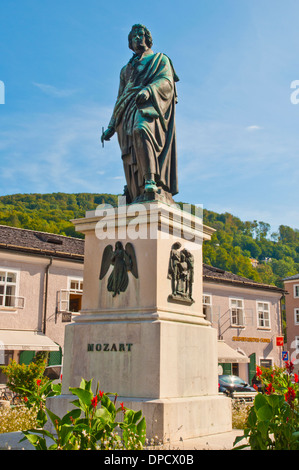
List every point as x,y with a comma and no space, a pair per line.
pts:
148,36
176,246
119,246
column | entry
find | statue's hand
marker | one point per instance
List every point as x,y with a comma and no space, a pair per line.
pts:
142,96
107,134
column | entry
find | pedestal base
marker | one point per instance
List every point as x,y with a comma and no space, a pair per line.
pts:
170,419
164,368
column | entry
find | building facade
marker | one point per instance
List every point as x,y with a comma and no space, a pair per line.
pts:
247,316
291,285
40,284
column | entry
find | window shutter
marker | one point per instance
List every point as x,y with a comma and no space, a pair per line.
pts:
64,300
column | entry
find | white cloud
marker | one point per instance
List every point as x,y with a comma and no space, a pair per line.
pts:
253,128
53,91
58,152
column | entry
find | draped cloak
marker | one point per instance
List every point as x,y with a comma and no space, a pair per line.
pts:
154,73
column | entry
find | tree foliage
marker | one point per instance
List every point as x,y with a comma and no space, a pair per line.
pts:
49,212
235,243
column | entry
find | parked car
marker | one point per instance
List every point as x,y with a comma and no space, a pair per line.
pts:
235,387
257,384
54,373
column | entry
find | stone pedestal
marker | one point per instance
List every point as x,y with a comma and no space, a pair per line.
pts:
156,350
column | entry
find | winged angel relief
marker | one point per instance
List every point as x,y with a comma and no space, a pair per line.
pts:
123,260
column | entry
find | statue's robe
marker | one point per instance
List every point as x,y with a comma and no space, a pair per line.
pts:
153,122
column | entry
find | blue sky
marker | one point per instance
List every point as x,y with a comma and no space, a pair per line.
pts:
237,129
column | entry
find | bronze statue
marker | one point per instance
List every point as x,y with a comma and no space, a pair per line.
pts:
144,119
122,260
181,274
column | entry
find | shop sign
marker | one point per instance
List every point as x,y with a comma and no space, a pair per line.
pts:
251,340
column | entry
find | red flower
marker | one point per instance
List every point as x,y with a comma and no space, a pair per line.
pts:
255,387
290,395
296,378
122,407
258,371
269,389
25,399
38,382
289,366
94,401
101,394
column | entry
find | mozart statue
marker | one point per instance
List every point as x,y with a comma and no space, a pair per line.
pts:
144,120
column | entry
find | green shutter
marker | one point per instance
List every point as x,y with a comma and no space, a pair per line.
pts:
26,357
55,358
252,367
227,368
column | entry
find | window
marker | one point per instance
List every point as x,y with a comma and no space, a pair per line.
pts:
296,316
263,315
9,289
266,363
296,290
70,299
207,306
237,312
295,345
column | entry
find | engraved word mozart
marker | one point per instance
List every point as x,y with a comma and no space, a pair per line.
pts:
109,347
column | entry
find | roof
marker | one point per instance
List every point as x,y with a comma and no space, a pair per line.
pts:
41,243
291,278
212,274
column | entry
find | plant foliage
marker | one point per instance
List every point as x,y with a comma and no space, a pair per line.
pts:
273,421
92,424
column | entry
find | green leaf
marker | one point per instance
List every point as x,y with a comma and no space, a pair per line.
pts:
53,447
33,438
265,413
237,440
86,385
75,414
41,417
76,403
107,403
53,417
65,433
85,396
103,414
141,428
251,420
263,428
274,400
259,401
37,441
129,416
56,389
136,417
